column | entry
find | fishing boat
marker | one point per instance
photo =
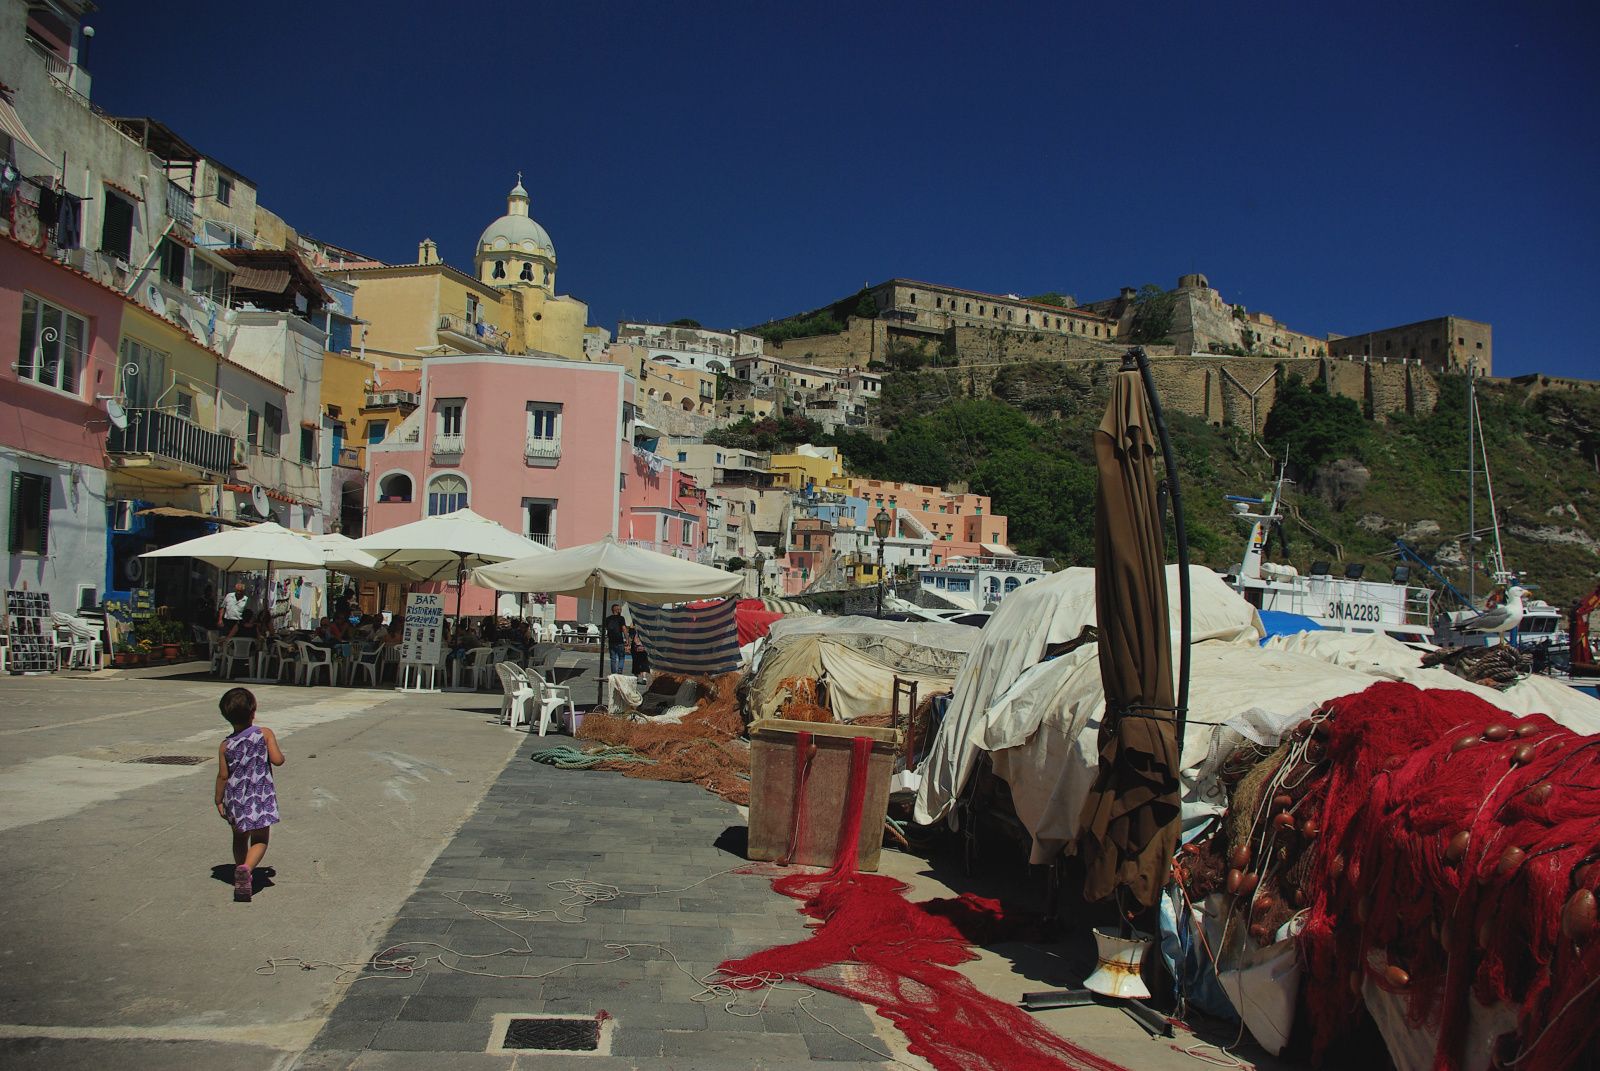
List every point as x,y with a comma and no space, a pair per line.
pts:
1343,603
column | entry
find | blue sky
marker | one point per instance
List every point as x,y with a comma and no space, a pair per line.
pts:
1345,169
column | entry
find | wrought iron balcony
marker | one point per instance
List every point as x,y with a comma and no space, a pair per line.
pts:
542,448
172,438
449,444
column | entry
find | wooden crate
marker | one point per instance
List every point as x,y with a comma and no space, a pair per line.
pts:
772,781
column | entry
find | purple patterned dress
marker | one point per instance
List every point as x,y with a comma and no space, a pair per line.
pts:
250,798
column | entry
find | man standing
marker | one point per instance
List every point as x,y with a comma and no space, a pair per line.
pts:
616,639
231,617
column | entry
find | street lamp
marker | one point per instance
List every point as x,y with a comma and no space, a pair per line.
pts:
881,524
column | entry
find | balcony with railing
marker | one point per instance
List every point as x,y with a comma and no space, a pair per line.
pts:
449,445
391,399
703,555
167,439
544,539
472,334
542,448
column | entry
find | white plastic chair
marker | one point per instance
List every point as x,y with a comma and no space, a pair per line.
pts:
61,639
552,697
518,691
86,644
370,661
311,660
239,649
476,666
213,640
592,634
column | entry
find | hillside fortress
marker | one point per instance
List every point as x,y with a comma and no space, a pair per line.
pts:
1212,360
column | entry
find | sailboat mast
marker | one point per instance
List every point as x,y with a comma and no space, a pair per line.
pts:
1494,514
1472,482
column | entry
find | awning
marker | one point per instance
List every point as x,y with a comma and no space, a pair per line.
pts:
266,280
11,123
997,550
194,515
218,262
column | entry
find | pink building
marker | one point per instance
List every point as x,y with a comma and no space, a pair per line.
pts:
663,509
541,445
53,425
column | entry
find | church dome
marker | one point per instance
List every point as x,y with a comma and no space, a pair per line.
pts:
516,230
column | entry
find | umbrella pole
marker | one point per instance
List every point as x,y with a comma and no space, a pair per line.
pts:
1180,534
605,651
461,584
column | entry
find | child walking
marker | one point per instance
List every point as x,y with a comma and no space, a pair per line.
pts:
246,798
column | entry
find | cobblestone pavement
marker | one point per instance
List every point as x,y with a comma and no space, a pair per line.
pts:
538,825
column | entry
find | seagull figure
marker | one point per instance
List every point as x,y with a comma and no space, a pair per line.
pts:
1502,619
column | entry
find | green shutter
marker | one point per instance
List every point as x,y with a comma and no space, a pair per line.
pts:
15,542
44,515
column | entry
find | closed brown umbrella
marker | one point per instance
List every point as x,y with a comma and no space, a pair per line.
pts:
1130,824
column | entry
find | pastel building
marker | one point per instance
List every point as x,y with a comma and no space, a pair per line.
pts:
541,445
958,518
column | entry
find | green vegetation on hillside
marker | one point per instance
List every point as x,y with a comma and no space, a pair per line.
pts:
1064,301
1359,484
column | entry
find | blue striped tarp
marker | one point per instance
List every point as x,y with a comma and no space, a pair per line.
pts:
697,640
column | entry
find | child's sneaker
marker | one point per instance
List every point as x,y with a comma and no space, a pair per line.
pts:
241,885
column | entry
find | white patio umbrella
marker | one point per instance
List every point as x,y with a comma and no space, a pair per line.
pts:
606,568
447,546
343,556
259,546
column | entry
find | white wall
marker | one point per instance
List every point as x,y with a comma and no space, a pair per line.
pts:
77,547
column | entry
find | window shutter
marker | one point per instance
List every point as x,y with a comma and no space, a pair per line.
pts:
15,542
44,516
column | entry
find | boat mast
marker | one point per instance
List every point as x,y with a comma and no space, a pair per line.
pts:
1472,482
1501,575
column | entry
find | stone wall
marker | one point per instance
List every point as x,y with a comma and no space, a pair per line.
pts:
860,342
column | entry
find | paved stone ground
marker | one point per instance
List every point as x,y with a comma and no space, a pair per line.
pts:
539,825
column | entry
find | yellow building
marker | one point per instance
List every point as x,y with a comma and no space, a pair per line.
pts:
508,306
733,410
345,383
689,389
817,466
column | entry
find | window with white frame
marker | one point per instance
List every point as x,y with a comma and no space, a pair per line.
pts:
224,190
446,494
252,434
687,532
450,425
544,429
472,309
50,350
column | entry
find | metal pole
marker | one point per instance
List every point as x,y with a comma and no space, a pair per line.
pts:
1472,486
880,576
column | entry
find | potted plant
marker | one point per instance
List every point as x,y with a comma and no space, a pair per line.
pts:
170,633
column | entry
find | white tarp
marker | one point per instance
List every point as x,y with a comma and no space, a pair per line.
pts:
1054,610
859,658
1042,726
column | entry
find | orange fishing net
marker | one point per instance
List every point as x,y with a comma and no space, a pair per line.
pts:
703,749
804,702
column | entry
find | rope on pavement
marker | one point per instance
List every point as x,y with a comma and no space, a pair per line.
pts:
567,757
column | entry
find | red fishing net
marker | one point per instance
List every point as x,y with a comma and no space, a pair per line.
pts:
1457,859
874,946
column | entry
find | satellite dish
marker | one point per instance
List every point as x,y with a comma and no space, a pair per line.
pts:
258,500
117,414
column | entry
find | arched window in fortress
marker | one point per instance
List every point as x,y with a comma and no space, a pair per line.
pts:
527,272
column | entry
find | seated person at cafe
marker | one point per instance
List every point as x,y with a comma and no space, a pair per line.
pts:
334,635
